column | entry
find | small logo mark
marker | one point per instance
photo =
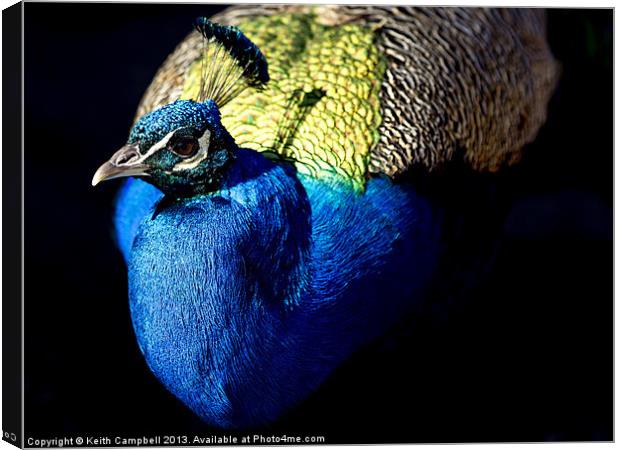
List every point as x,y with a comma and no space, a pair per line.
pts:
10,436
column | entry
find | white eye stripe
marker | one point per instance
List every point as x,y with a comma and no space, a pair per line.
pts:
159,145
190,163
200,156
155,148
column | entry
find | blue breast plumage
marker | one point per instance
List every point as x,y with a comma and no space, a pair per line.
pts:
244,300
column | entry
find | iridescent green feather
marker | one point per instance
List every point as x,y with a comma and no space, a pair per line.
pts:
328,135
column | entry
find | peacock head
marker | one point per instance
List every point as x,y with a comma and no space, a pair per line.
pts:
183,148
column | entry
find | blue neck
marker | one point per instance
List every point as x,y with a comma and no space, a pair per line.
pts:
244,300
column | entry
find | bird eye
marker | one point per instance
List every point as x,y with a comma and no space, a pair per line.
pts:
185,146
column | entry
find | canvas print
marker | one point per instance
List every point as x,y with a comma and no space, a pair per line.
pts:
316,224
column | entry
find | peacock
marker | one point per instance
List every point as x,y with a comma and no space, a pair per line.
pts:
270,221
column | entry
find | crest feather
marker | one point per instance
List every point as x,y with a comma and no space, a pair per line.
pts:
231,63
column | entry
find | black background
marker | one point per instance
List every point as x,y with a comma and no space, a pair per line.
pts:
527,356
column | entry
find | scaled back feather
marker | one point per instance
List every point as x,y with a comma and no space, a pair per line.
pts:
471,83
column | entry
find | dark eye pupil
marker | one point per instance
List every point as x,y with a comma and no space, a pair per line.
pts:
185,147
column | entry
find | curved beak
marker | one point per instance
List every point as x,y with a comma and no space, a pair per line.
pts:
127,162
